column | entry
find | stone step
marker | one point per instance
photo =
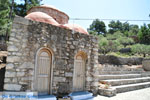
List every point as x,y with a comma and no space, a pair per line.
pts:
120,69
130,87
121,76
120,72
117,82
83,95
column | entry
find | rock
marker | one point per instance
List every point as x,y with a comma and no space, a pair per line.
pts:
10,74
59,79
68,74
89,79
107,92
12,48
125,50
20,74
146,65
63,88
13,87
13,59
10,66
7,80
27,65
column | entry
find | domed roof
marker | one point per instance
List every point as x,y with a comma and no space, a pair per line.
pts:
41,17
75,27
49,6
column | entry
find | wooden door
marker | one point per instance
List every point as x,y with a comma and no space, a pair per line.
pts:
79,74
43,72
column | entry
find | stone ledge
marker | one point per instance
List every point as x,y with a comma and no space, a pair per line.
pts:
107,92
14,87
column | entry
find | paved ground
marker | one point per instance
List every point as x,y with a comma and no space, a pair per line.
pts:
142,94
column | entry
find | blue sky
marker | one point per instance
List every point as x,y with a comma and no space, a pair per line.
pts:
103,9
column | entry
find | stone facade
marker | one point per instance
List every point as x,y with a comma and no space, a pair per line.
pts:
27,37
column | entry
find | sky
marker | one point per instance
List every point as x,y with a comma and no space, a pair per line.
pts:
103,9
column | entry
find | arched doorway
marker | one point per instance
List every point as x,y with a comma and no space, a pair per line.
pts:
79,72
43,71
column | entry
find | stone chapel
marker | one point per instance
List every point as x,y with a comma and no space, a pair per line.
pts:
48,55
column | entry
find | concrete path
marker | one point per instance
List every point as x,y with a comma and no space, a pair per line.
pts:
142,94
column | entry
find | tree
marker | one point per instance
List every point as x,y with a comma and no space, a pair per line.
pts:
114,36
125,41
133,30
144,34
141,49
21,9
125,27
115,26
106,46
5,21
98,27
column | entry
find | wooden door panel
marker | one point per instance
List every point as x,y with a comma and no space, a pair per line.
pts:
43,73
79,75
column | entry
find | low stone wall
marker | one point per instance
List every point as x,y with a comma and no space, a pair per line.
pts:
110,59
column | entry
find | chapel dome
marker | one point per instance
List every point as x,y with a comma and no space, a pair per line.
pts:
75,27
59,16
41,17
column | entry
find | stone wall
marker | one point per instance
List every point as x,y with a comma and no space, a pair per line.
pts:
110,59
27,37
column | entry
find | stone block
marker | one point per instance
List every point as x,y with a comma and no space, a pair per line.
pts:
107,92
14,80
89,79
20,74
12,87
26,78
27,65
12,48
13,59
56,73
146,65
10,66
12,39
68,74
59,79
10,74
7,80
64,98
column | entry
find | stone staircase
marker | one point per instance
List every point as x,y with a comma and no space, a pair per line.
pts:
122,79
